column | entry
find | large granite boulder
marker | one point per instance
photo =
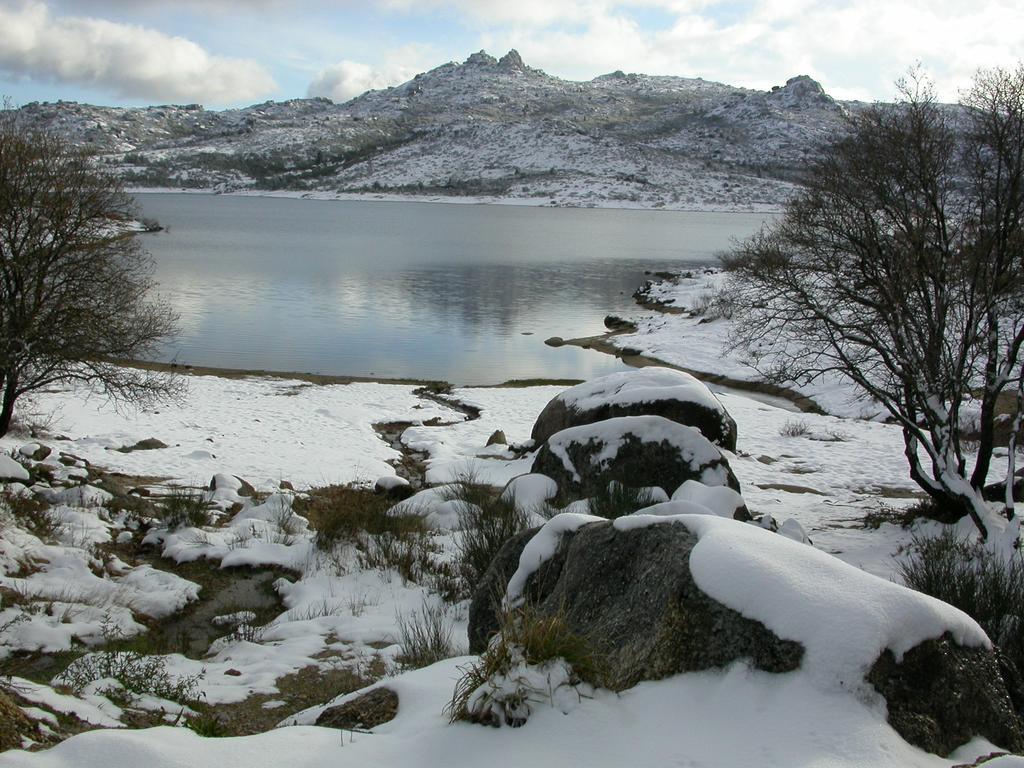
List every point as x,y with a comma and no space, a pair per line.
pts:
631,595
655,597
672,394
636,451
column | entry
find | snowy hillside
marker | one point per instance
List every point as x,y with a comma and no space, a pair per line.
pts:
483,128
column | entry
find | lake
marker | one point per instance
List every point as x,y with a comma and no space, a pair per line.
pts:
463,293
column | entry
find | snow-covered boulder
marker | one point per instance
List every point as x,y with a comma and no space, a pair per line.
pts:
11,470
636,451
720,499
394,487
653,391
655,596
34,451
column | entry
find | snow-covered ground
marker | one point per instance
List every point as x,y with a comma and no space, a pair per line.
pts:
825,474
699,339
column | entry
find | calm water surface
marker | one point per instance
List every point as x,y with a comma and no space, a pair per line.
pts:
465,293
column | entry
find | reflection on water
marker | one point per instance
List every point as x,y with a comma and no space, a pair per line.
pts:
457,292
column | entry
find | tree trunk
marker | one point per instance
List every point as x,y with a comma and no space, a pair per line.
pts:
986,439
7,406
950,505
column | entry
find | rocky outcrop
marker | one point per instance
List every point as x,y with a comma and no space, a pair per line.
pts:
636,451
653,391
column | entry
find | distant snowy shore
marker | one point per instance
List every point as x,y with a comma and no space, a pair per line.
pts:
527,202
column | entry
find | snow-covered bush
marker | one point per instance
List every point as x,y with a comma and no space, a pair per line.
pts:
534,661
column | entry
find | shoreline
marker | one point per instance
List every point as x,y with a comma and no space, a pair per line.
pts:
322,379
767,209
602,343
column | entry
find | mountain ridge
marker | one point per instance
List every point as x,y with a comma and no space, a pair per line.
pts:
487,127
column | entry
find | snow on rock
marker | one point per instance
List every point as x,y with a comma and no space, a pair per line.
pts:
390,482
530,492
634,450
438,506
542,547
722,500
12,470
791,529
651,391
845,618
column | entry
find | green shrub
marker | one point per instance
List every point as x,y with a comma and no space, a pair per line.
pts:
348,514
425,636
135,672
207,724
981,583
487,520
184,507
615,500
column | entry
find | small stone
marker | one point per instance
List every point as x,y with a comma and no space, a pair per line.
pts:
555,341
232,672
497,438
285,485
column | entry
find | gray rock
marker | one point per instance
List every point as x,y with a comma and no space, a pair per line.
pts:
631,596
942,695
373,708
653,391
483,611
639,461
497,438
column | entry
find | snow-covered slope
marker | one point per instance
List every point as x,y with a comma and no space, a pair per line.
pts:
485,127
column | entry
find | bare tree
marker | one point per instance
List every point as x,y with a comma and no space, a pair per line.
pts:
901,267
74,284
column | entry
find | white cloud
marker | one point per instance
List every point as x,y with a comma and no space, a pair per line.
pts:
857,48
348,79
132,61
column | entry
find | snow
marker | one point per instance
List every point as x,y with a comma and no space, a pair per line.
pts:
530,492
11,470
261,429
702,341
785,722
336,613
611,434
646,385
721,499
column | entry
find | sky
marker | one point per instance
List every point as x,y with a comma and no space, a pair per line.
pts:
225,53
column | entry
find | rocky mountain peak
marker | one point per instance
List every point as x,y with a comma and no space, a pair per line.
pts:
481,59
801,91
512,61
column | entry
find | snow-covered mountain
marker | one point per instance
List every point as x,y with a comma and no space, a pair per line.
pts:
485,127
